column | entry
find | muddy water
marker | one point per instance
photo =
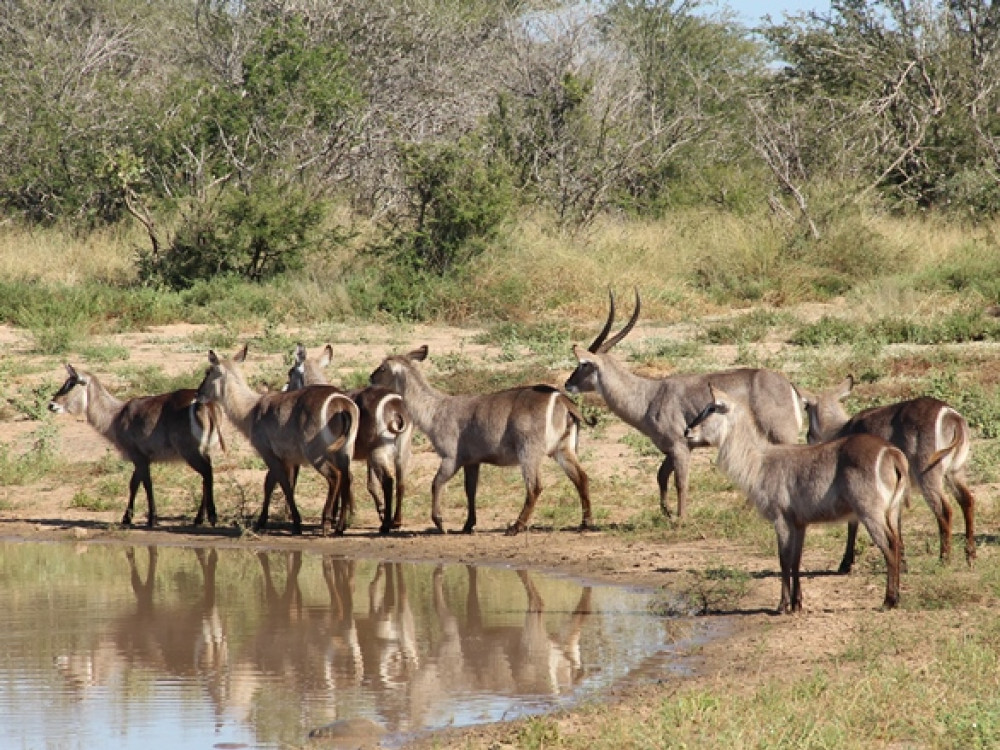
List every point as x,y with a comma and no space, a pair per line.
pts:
107,645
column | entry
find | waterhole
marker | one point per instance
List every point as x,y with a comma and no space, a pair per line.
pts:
109,645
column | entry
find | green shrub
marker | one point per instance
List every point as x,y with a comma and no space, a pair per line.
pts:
250,235
457,201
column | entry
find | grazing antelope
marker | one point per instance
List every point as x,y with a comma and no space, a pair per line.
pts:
316,425
858,477
660,408
933,436
519,426
385,433
148,429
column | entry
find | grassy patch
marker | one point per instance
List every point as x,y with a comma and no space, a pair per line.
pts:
957,327
34,464
83,500
754,326
548,340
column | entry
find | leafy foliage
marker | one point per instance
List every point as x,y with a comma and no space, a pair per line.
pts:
457,202
255,236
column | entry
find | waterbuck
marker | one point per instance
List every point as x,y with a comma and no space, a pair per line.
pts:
935,439
859,477
146,429
660,408
385,433
518,426
315,425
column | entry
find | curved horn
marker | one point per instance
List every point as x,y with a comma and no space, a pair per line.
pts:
606,346
596,345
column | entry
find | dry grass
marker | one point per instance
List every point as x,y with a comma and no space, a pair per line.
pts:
56,256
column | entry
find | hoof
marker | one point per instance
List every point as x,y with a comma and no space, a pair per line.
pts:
514,529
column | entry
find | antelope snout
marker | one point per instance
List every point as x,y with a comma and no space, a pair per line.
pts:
55,408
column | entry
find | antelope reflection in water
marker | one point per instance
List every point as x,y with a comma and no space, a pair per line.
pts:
364,646
175,639
475,657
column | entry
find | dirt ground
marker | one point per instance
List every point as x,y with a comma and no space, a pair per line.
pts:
759,646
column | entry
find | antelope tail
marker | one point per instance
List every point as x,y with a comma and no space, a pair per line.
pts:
941,454
577,414
901,493
215,422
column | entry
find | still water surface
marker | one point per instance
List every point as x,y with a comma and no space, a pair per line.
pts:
107,645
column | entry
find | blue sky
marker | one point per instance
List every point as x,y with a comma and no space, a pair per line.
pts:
751,11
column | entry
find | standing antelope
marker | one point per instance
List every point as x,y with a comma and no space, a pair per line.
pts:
385,433
858,477
147,429
316,425
661,408
519,426
933,436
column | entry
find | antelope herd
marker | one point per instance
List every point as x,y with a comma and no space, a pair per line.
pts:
857,469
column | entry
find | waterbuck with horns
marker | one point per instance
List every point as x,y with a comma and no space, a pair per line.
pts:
859,477
518,426
147,429
661,408
935,439
385,433
315,425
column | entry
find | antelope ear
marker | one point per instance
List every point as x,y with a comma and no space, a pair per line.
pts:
418,355
806,397
241,355
720,398
582,355
80,377
213,358
327,356
300,354
845,388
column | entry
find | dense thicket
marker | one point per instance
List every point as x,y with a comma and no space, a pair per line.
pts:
226,128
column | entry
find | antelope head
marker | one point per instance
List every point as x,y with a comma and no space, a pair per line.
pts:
306,371
71,398
713,422
826,411
213,386
393,370
587,375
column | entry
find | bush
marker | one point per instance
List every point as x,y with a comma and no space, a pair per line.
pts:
457,201
256,236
